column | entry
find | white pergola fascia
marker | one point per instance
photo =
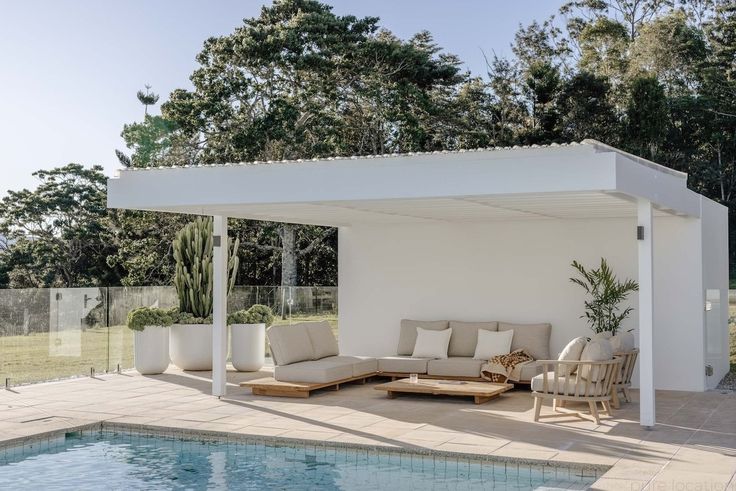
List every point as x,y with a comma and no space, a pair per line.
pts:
583,180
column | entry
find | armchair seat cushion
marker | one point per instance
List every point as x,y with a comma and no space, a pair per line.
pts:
565,386
455,366
402,364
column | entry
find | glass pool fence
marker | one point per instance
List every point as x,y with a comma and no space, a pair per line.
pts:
54,333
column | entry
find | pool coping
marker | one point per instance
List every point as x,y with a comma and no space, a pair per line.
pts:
598,470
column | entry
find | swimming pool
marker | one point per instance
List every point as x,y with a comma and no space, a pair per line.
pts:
106,459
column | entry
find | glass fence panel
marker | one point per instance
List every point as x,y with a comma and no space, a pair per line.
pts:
54,333
122,300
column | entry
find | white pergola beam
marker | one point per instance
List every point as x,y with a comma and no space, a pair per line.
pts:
219,307
646,314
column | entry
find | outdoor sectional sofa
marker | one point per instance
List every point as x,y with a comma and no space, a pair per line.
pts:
459,364
306,356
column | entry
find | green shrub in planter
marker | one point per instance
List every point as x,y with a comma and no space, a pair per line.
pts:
141,317
257,314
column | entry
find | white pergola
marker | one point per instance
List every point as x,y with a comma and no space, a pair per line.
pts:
586,183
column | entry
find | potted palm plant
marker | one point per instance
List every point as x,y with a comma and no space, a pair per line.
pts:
191,331
603,307
248,337
151,339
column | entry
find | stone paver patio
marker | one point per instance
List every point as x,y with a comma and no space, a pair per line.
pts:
692,447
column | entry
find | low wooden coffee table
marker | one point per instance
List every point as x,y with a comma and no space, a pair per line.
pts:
481,392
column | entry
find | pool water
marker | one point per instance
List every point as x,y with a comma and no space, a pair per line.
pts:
123,460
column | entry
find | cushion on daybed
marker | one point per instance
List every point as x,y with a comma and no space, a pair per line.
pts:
431,344
408,333
323,340
566,385
321,371
290,344
362,365
402,364
532,338
465,336
454,366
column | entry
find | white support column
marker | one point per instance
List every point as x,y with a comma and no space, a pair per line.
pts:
219,307
646,314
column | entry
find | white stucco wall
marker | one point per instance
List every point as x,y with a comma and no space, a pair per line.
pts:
517,272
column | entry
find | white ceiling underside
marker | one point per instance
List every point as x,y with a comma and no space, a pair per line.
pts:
466,209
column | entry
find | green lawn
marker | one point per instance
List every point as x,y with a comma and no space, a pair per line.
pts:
26,359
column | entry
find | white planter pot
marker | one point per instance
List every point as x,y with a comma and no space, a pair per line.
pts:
190,346
151,350
248,346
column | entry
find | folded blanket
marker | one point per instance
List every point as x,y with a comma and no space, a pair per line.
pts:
501,368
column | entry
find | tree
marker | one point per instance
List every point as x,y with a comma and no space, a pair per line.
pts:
59,231
646,117
147,98
586,110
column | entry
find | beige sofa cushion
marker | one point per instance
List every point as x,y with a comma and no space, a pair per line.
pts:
572,352
598,349
290,344
532,338
323,340
465,336
527,372
362,365
402,364
455,366
408,333
321,371
565,385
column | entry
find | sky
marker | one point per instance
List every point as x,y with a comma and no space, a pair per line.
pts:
70,69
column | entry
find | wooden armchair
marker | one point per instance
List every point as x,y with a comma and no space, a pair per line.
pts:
622,383
555,383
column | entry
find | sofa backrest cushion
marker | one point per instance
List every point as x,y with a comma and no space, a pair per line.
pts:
290,343
323,340
465,336
532,338
408,333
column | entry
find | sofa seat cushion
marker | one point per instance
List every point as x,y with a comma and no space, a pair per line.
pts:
321,371
526,372
532,338
408,333
402,364
455,366
565,385
465,336
362,365
290,343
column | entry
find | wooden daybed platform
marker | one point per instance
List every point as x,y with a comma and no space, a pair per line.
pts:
269,386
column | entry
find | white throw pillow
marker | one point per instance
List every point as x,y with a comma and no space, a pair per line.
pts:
493,343
596,350
431,344
572,352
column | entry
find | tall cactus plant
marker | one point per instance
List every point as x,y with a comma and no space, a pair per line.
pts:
194,274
